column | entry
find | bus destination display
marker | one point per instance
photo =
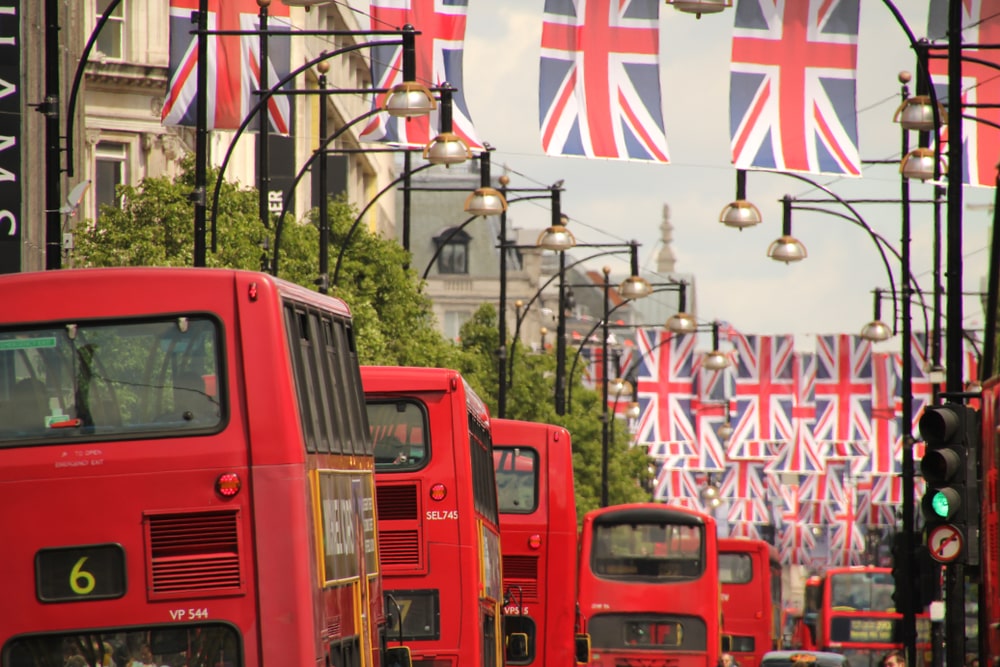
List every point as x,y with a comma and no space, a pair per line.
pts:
80,573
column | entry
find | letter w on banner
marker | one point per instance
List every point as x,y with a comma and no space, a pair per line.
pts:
793,86
599,80
233,65
440,46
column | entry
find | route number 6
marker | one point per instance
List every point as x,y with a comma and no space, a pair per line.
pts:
81,581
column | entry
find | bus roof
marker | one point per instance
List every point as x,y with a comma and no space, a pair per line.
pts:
390,379
141,290
646,512
509,428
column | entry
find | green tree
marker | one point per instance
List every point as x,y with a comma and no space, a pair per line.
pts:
530,398
153,226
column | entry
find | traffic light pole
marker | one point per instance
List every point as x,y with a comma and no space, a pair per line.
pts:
951,506
954,615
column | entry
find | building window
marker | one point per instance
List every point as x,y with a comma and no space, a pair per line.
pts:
111,39
109,173
453,251
453,321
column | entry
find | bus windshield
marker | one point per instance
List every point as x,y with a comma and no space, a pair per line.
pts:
868,591
102,379
205,645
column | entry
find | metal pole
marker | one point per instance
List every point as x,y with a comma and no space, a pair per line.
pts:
201,139
561,316
407,163
324,210
905,599
53,153
502,305
263,120
953,271
955,575
605,416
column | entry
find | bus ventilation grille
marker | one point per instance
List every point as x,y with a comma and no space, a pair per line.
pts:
194,553
397,503
399,548
521,573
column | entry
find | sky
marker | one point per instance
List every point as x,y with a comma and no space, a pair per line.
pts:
612,201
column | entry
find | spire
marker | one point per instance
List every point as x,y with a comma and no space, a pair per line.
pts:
666,260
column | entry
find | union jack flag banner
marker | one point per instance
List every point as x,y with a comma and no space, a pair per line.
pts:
440,46
599,80
666,388
233,65
980,84
823,496
843,395
715,389
847,541
800,454
765,392
710,453
746,529
793,88
796,543
886,446
678,485
745,487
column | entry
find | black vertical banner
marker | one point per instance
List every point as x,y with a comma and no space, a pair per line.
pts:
10,136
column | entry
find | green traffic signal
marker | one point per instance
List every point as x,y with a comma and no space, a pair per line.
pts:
939,503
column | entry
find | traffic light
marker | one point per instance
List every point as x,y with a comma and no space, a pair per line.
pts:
950,503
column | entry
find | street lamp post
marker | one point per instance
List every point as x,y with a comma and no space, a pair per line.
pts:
558,238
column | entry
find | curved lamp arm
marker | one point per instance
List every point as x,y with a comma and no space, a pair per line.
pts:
286,200
265,98
520,316
456,230
357,221
579,349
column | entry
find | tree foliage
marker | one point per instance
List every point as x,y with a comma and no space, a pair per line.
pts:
530,397
393,318
153,226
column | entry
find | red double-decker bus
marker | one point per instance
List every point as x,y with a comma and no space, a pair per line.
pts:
989,522
538,527
188,475
750,574
851,611
439,535
649,586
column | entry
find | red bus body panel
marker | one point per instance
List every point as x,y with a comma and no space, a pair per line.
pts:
989,540
119,492
863,633
429,544
540,547
698,598
753,609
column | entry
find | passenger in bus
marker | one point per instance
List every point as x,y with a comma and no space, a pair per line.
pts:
893,659
883,602
727,660
390,449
